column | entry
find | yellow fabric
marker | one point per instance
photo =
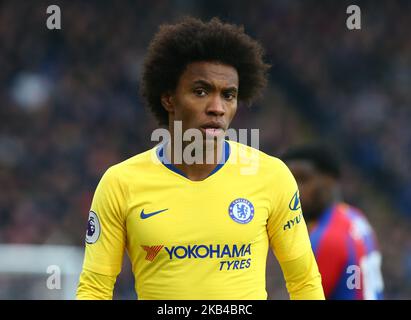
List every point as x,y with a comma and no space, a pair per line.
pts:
302,277
94,286
195,249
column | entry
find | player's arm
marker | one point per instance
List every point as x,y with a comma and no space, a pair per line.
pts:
105,240
94,286
302,278
289,239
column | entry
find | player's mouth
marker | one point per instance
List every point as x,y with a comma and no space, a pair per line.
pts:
212,129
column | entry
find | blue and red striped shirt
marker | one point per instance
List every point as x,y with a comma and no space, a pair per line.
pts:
347,254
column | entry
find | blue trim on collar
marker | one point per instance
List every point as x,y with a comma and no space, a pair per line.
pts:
226,155
162,157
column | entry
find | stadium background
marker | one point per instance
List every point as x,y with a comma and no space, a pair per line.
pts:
69,108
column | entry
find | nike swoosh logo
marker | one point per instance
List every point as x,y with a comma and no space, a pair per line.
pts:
148,215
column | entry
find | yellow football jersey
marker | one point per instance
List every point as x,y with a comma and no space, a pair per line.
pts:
188,239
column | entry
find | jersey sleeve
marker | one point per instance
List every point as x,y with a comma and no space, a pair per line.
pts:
106,231
94,286
286,227
289,239
302,278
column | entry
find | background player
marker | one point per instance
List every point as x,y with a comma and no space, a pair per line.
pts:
341,236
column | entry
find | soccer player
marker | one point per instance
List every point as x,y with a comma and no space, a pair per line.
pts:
199,230
343,241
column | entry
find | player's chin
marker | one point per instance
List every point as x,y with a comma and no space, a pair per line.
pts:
212,143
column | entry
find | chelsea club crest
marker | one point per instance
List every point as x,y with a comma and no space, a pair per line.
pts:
241,210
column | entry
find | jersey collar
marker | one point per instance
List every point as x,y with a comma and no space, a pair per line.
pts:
167,163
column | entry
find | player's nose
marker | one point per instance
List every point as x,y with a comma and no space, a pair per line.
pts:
216,106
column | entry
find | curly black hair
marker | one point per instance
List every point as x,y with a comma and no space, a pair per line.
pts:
191,40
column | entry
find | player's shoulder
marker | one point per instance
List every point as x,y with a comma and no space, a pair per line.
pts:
359,224
347,221
134,165
244,153
349,213
333,232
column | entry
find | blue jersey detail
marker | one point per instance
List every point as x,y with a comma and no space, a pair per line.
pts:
167,163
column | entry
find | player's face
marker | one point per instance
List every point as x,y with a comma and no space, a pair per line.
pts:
205,98
315,191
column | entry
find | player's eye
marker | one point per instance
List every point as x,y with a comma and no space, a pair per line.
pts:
200,92
229,95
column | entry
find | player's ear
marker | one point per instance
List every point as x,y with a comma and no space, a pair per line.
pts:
167,101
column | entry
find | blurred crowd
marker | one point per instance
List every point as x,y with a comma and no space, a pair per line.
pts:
70,106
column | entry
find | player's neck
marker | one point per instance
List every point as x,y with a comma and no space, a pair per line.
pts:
196,172
199,170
